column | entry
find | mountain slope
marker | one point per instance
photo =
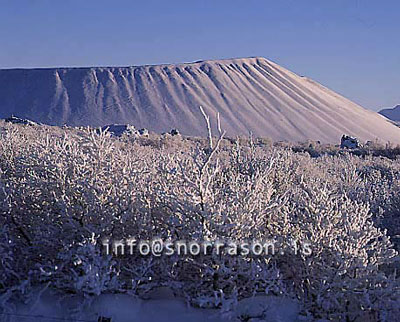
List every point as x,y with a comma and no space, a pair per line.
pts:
391,113
251,94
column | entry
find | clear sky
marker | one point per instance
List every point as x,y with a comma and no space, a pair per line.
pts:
350,46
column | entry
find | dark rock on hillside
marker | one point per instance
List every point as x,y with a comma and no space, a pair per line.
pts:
17,120
120,129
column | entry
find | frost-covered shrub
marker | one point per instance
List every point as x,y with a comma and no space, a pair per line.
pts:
83,269
63,191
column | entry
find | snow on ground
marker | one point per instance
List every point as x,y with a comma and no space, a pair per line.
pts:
48,307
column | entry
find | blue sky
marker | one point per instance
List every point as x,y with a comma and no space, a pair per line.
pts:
351,46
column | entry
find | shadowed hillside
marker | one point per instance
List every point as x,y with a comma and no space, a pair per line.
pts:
392,113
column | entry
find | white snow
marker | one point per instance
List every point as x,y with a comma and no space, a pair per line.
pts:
160,308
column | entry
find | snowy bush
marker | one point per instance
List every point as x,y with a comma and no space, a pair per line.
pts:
63,191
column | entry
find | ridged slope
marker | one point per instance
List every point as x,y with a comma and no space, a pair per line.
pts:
251,94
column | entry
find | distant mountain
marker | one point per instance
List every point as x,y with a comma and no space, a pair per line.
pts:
251,94
391,113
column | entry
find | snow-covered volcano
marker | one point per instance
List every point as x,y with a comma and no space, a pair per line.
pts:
250,94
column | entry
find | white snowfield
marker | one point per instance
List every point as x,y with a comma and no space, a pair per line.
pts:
250,94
